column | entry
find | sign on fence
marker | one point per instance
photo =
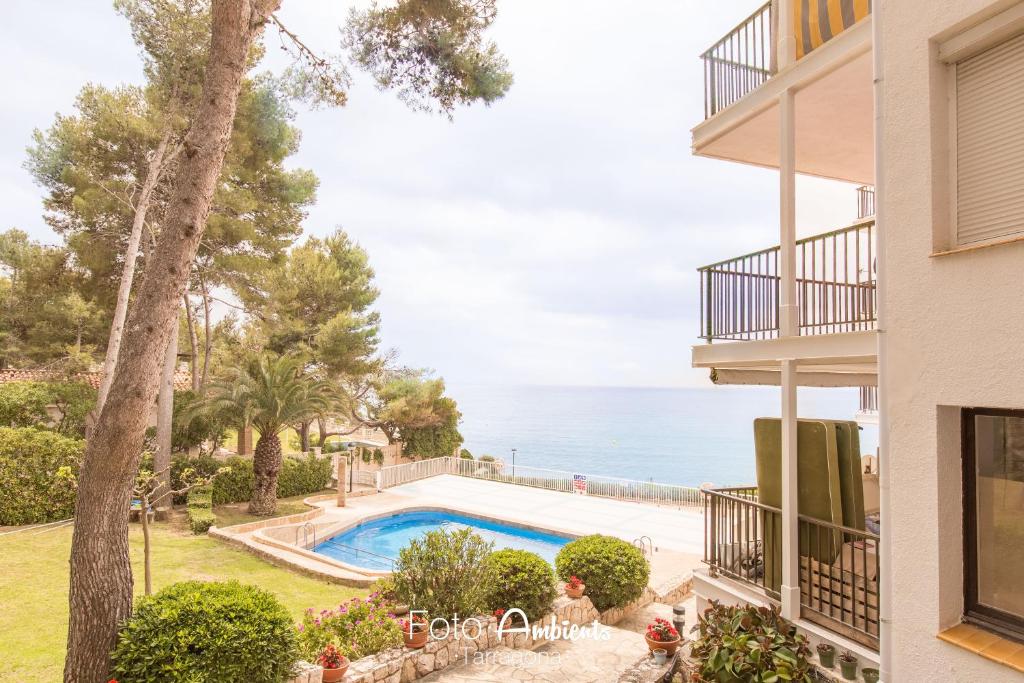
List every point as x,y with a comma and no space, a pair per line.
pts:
579,483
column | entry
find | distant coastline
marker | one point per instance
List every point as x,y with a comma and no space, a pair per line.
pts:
680,436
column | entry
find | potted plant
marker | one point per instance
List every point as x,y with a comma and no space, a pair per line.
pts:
574,587
848,665
414,631
827,655
870,675
662,635
334,663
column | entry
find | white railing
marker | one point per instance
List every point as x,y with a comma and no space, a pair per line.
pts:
364,477
539,477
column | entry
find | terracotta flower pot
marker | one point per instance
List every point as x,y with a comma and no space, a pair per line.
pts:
575,593
335,675
418,638
669,646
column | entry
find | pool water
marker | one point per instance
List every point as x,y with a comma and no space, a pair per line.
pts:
375,544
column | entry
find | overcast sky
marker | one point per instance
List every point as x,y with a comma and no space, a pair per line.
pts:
550,239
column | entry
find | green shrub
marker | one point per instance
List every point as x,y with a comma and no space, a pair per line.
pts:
200,509
27,404
358,628
378,456
465,454
38,469
487,458
299,476
614,571
444,573
193,427
519,578
195,631
749,644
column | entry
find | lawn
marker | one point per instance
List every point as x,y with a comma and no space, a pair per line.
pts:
235,513
34,589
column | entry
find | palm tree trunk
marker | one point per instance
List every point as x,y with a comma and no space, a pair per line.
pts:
266,465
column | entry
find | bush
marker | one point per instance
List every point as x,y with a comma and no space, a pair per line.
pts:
300,476
749,644
615,571
200,509
378,456
38,469
192,427
444,573
487,458
27,404
358,628
465,454
196,631
519,578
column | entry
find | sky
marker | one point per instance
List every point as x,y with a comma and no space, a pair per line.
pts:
552,238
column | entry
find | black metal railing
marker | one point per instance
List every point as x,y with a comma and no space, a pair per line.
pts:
839,568
736,527
739,62
839,579
835,288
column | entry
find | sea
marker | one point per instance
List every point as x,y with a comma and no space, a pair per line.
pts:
676,436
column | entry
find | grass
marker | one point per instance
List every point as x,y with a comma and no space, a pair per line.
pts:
34,588
235,513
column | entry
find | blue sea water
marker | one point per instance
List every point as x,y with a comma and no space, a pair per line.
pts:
373,544
677,436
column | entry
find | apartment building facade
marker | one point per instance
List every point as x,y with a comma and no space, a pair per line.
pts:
917,303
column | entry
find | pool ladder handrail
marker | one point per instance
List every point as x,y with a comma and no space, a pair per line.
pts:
306,529
645,544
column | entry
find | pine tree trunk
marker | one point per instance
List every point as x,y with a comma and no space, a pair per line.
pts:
266,465
165,418
124,290
100,596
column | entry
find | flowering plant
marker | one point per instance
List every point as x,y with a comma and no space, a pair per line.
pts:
574,582
357,628
415,622
661,631
500,612
330,658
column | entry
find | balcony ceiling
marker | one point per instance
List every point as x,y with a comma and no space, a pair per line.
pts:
834,116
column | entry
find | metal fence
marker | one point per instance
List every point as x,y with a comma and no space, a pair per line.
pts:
539,477
835,288
865,201
739,62
839,571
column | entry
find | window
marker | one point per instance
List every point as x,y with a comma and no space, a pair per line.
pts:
988,144
993,461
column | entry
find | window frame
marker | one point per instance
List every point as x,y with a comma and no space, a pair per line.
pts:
1004,623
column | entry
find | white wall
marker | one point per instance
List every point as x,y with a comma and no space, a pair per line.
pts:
955,337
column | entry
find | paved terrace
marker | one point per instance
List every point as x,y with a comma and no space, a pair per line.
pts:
676,533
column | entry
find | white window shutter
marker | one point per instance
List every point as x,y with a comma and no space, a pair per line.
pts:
990,144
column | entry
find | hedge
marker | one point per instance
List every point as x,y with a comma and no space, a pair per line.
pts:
615,572
200,509
521,579
300,476
37,473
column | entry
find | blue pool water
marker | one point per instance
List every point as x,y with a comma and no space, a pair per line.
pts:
374,544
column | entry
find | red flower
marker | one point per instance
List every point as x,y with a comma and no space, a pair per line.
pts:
661,631
499,612
574,582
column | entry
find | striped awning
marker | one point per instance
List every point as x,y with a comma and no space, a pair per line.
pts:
818,21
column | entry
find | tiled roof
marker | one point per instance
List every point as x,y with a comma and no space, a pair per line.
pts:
182,378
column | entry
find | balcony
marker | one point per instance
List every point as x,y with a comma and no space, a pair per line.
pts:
835,286
828,68
839,566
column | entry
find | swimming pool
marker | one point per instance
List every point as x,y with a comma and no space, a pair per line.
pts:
374,544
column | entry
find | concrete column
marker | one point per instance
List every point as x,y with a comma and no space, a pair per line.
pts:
785,32
245,445
789,321
790,523
341,481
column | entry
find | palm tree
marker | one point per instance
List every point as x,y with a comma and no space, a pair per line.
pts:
269,393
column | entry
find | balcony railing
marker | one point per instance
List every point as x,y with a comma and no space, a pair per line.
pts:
739,62
835,288
839,573
747,56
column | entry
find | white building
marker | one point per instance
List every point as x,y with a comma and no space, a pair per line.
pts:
924,101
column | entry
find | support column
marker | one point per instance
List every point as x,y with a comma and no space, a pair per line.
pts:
790,523
789,321
785,32
245,440
341,480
